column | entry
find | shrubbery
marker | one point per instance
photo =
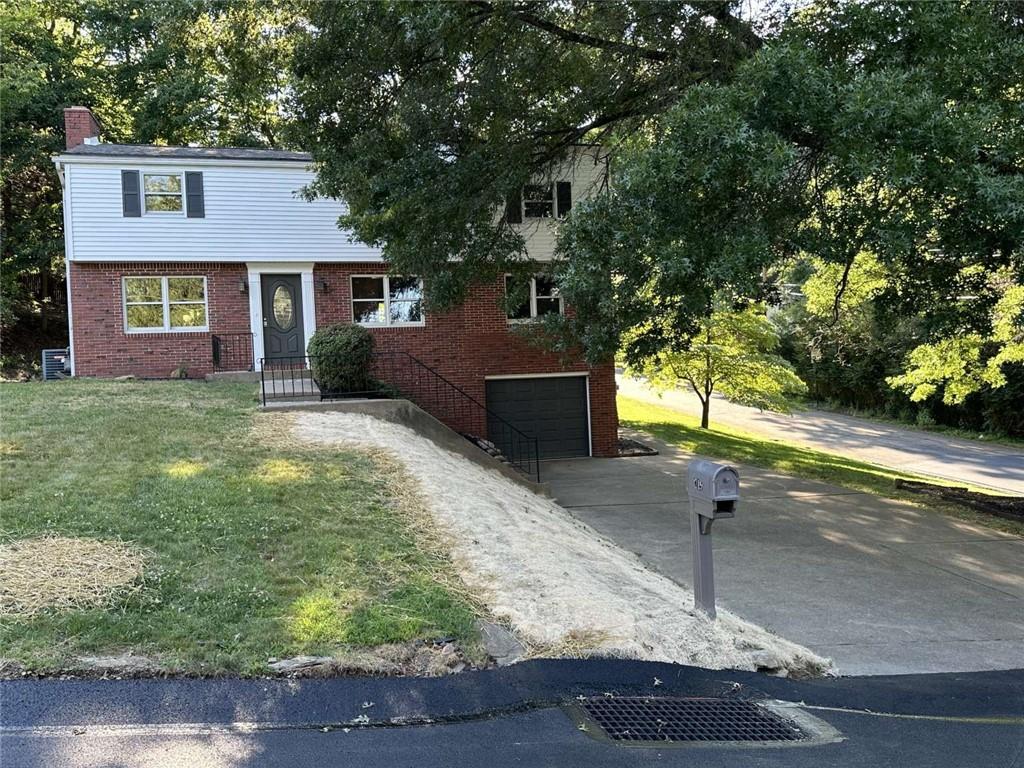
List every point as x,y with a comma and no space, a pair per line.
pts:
340,357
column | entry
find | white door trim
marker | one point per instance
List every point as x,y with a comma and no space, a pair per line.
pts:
256,271
561,374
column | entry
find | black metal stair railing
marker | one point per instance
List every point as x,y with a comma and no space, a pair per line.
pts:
231,351
399,374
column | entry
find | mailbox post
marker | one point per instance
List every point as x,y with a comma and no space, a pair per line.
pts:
714,493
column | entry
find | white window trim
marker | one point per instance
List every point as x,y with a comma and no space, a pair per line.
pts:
387,304
554,202
533,304
142,189
165,302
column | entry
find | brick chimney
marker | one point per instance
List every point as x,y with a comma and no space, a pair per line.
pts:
79,125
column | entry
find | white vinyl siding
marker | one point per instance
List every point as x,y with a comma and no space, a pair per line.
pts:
253,213
587,177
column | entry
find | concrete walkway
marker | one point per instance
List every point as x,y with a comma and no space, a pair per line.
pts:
880,586
912,450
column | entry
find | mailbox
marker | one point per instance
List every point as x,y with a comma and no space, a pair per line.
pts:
714,493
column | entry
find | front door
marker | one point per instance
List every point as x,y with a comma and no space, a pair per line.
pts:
283,335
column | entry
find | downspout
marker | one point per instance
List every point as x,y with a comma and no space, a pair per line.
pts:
65,185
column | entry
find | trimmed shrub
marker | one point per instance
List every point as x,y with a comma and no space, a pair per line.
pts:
340,357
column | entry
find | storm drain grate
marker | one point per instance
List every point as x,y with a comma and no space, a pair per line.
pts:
640,719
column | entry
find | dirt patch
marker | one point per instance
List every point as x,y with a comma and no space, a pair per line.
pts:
630,447
560,586
63,573
1007,507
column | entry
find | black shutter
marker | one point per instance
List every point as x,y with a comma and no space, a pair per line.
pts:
564,198
194,201
514,208
131,200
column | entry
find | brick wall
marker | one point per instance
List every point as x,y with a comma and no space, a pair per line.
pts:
469,343
79,125
102,348
464,345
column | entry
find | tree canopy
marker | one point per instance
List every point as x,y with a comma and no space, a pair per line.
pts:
891,131
425,116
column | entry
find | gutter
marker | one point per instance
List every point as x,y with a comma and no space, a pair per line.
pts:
65,182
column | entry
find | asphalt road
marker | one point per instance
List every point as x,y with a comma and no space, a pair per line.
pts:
997,467
512,716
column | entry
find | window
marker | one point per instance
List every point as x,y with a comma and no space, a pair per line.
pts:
162,304
163,192
539,201
542,299
386,300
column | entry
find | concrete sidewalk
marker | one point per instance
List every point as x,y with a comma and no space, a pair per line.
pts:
998,467
880,586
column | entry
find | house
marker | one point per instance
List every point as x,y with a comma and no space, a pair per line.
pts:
196,259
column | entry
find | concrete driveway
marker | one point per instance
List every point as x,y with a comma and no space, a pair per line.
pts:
880,586
998,467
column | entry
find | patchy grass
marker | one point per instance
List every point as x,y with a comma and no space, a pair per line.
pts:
254,545
733,445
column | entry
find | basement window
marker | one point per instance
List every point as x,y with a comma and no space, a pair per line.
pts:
164,304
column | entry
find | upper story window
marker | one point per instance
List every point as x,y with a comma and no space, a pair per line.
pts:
164,304
544,299
163,192
382,300
539,201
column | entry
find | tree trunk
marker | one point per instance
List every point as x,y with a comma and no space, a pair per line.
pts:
705,410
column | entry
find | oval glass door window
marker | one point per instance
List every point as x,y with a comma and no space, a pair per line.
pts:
284,311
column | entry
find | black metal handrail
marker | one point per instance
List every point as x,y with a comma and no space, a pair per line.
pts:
399,374
231,351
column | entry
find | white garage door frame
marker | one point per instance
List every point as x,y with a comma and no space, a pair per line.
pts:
585,375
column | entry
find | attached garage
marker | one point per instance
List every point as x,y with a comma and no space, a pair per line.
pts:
554,409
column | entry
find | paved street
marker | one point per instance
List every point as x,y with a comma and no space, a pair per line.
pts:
880,586
516,716
911,450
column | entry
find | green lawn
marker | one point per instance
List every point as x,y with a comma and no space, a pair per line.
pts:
744,448
255,546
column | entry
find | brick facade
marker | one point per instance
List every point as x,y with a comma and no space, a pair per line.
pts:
103,348
465,345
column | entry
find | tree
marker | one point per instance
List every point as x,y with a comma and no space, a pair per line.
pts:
971,361
43,71
196,71
733,352
894,130
174,72
424,117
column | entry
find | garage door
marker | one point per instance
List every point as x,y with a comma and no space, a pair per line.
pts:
552,409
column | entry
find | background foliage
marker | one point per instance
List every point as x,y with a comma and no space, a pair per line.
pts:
173,72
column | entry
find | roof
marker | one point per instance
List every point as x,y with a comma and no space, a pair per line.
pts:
187,153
